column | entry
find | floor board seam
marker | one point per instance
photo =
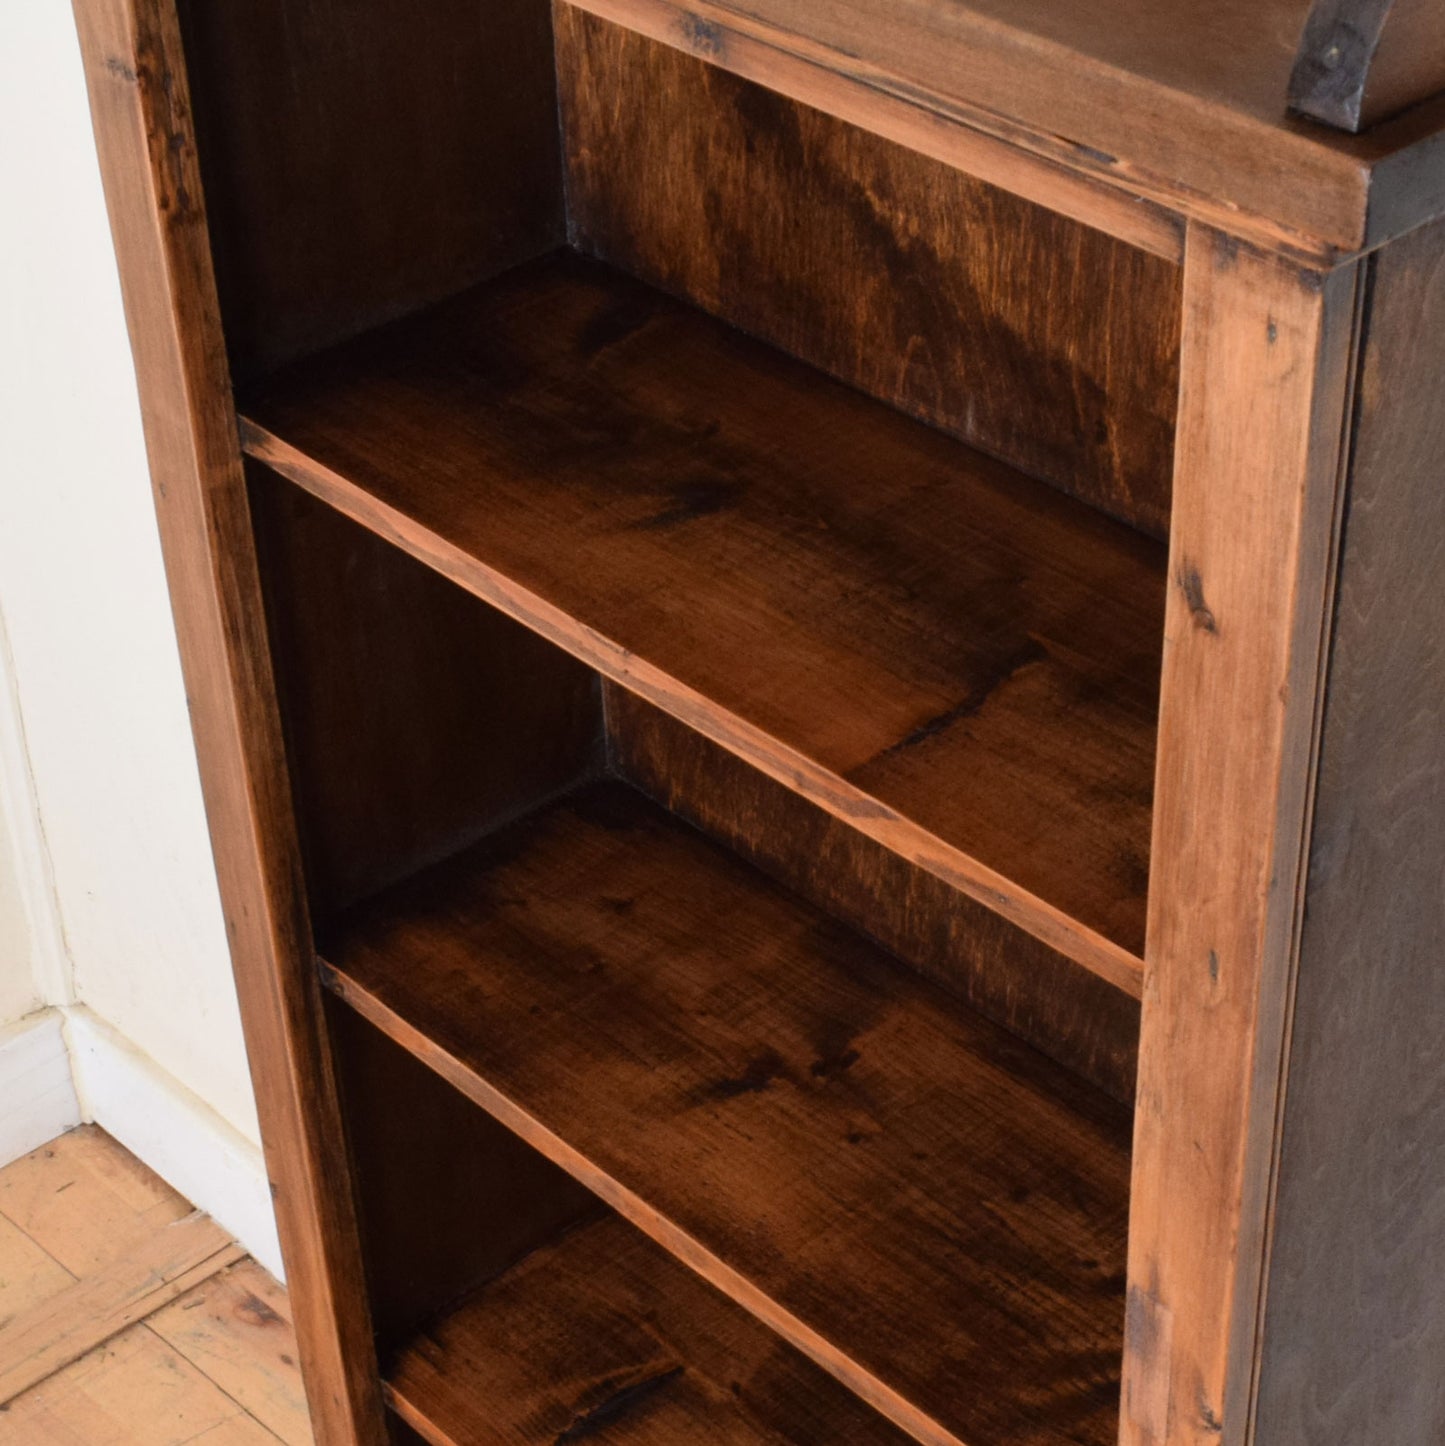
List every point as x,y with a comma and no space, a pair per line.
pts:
62,1342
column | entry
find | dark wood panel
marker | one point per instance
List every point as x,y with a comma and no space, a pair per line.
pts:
602,1334
417,718
447,1197
140,104
1355,1318
402,1434
1063,1010
1024,332
931,1207
960,661
359,163
1183,105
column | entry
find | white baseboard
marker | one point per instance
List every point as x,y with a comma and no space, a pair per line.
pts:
36,1085
177,1134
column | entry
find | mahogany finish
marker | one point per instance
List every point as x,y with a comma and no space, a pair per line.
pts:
1181,104
736,1073
995,967
447,1198
871,608
776,841
359,165
601,1334
417,718
140,103
1031,336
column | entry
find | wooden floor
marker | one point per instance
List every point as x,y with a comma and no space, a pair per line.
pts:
127,1318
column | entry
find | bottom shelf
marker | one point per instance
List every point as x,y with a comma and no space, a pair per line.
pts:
917,1200
602,1337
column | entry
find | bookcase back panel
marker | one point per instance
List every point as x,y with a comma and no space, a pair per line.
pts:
364,159
1026,333
417,718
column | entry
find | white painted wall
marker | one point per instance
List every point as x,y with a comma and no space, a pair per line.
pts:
20,991
122,851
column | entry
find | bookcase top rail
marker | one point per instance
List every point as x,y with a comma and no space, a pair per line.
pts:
1187,105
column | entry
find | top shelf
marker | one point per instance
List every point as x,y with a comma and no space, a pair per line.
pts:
1184,103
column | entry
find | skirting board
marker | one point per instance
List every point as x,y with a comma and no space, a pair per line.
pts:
36,1085
179,1136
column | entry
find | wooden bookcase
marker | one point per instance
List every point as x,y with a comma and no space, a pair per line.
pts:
814,640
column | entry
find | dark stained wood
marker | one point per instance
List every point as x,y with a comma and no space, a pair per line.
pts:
1361,61
402,1434
141,108
1183,105
996,968
932,1209
1023,332
447,1198
359,164
958,661
1263,436
603,1335
417,717
1354,1316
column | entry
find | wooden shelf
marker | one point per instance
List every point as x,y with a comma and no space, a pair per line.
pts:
924,1204
601,1335
960,661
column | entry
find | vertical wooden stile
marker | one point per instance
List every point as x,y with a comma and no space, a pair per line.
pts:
1265,395
141,108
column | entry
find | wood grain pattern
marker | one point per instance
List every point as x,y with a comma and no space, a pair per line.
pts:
603,1335
416,716
909,121
236,1328
213,1362
85,1202
1182,105
932,1210
141,109
28,1274
1023,332
447,1197
359,165
1361,61
1067,1012
56,1331
959,662
133,1391
1268,351
1354,1320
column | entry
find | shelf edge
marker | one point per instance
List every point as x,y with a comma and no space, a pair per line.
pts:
633,1208
920,125
1043,921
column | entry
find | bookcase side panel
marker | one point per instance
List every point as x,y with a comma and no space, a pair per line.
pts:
1354,1314
141,109
1269,354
